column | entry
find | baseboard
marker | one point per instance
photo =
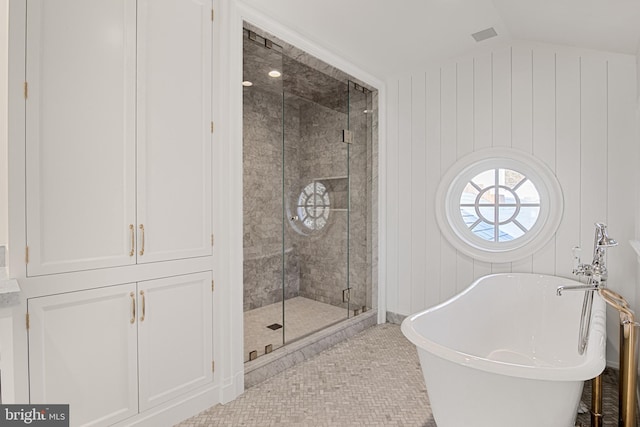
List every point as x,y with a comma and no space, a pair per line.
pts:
234,389
395,318
177,410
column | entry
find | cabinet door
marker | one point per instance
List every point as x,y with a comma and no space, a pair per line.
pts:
174,336
174,129
80,134
82,351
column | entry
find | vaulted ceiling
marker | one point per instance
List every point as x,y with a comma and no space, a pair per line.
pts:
384,37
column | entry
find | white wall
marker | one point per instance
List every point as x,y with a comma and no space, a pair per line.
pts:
573,109
4,26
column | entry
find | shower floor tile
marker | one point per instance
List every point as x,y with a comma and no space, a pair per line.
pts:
303,316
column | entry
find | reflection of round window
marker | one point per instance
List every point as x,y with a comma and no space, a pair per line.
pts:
314,206
498,205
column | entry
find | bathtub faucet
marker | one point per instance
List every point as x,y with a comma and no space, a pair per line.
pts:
589,287
597,270
597,274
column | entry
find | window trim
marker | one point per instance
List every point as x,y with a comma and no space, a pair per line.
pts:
453,228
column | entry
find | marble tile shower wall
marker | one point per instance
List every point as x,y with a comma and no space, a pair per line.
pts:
316,264
323,256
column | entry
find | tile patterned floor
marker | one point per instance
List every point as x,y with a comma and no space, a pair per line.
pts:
302,316
609,401
372,379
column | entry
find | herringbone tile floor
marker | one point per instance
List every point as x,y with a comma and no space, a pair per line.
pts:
609,400
372,379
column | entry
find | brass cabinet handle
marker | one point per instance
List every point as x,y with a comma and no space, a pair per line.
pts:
142,238
143,306
133,240
133,307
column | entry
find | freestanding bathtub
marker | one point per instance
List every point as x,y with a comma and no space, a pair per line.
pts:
504,352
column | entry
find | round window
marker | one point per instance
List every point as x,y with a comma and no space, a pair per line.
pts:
499,205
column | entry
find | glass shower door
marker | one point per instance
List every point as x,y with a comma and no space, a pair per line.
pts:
263,118
360,157
315,208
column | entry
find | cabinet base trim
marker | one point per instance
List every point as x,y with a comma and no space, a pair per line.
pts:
177,410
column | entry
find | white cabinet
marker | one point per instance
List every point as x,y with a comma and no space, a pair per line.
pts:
82,351
117,156
118,132
174,337
80,134
104,350
174,128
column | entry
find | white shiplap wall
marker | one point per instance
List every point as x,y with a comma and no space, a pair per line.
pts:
573,109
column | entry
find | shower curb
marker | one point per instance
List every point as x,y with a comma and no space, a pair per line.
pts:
296,352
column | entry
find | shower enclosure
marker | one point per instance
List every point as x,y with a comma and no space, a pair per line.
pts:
307,155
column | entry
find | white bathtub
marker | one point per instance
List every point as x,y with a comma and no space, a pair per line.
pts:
504,352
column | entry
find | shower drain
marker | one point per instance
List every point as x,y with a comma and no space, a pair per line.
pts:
274,326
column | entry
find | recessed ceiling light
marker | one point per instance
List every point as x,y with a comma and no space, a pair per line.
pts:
247,83
274,73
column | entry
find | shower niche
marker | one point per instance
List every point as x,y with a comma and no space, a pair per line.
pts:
308,166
